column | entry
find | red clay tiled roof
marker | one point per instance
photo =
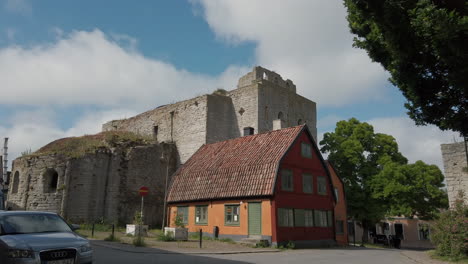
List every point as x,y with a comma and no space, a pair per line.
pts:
239,167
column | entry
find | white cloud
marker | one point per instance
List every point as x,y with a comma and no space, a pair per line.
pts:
90,68
416,143
306,41
33,129
22,7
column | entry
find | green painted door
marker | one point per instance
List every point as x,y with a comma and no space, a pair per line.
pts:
255,219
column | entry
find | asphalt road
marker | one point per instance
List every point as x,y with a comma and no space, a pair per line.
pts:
104,255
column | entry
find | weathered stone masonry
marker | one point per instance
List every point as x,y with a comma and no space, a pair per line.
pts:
96,186
455,168
103,184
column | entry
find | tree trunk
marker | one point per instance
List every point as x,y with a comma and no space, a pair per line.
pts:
365,232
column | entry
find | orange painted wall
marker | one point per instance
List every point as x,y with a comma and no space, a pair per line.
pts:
340,207
216,217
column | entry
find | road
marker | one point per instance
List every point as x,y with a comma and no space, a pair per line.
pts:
104,255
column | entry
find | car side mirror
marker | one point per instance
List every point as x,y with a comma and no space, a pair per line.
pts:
74,227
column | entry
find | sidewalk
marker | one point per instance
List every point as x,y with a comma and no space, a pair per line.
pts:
190,247
420,256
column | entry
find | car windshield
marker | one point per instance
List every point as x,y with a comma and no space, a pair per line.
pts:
32,223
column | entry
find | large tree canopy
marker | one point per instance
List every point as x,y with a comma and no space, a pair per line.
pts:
378,181
423,44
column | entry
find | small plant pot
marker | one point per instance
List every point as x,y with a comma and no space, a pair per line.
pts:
137,230
178,233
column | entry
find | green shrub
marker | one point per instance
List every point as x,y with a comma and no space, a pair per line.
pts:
139,241
449,232
262,244
112,238
290,245
165,237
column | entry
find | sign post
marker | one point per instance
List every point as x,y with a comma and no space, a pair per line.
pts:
143,191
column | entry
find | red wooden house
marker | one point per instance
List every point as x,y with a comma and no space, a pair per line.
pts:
274,186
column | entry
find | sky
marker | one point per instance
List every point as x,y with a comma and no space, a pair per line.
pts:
67,67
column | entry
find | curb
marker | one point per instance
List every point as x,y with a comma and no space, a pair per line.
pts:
150,250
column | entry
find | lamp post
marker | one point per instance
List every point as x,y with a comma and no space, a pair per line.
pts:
165,159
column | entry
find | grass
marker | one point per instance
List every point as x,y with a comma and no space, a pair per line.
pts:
75,147
433,254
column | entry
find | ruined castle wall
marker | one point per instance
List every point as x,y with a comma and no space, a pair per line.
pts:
97,186
221,119
30,194
245,104
183,122
294,109
456,176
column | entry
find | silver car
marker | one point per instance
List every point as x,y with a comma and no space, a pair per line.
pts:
40,238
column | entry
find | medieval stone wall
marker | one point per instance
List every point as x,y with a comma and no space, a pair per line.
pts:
97,186
456,169
183,123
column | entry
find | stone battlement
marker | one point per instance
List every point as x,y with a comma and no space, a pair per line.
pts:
259,74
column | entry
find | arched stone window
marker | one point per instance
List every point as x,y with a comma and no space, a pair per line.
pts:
15,185
299,122
50,178
280,115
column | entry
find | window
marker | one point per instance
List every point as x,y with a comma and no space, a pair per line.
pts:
280,115
201,214
231,214
285,217
424,231
248,131
50,180
321,185
307,184
306,150
320,218
15,183
287,180
155,132
336,194
299,217
182,211
339,227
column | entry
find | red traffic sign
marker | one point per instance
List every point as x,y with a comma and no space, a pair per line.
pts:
143,191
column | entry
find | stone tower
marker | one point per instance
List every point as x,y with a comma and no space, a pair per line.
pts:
456,169
262,101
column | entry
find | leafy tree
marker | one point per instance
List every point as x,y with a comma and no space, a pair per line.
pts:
449,232
423,44
410,189
378,181
358,154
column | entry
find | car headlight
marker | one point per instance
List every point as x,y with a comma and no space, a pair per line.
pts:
20,253
85,248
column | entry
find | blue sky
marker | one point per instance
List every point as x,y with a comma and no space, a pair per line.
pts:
68,66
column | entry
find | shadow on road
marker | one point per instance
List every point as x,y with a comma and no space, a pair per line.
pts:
125,254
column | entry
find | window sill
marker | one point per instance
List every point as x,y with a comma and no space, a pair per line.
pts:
201,224
226,224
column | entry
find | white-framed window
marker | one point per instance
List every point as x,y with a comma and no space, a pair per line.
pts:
287,180
322,185
286,217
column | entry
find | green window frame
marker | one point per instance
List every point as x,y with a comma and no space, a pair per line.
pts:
306,150
286,217
201,214
307,183
287,183
183,211
321,185
232,214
